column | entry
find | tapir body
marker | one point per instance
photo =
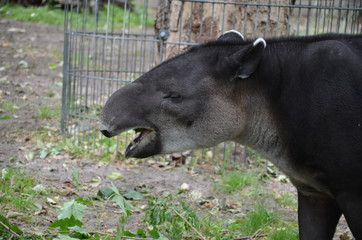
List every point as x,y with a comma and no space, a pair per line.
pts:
298,101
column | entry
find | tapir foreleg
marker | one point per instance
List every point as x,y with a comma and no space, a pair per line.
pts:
318,217
350,203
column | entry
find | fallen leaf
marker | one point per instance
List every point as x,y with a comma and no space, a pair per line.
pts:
11,214
17,30
283,179
39,188
195,195
95,181
51,202
23,64
29,155
133,195
115,176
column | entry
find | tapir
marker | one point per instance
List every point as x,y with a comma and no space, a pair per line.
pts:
295,100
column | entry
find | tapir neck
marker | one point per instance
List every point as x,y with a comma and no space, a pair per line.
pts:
262,131
262,134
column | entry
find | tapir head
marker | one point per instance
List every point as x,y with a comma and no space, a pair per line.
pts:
191,101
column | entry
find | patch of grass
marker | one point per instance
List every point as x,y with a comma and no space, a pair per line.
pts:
236,180
57,54
16,189
287,200
219,228
55,16
45,14
9,106
14,233
49,113
290,233
258,218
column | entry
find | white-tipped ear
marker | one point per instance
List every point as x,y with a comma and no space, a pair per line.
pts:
234,31
258,41
231,35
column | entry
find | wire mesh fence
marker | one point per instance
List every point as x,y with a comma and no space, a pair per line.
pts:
108,44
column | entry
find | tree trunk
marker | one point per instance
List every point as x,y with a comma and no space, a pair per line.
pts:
195,22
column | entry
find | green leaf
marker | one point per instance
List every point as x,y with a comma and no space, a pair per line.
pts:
84,202
66,237
44,153
128,234
105,192
14,228
154,233
5,117
52,66
162,237
66,223
56,150
141,233
80,230
115,176
121,201
72,208
75,177
133,195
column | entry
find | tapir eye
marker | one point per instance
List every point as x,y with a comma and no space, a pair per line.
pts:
174,97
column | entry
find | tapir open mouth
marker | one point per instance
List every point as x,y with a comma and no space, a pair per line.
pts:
142,138
145,143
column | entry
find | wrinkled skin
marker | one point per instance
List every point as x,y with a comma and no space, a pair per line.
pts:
297,101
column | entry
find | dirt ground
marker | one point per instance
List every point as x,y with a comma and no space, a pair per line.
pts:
26,79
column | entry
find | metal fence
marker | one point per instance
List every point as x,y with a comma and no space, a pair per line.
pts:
108,44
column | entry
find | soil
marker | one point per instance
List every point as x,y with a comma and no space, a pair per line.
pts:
31,76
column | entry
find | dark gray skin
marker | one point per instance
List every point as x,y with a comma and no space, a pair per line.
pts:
298,101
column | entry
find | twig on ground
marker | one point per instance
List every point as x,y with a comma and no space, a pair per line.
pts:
188,223
257,234
8,229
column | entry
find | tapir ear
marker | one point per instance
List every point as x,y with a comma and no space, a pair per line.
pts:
248,58
231,35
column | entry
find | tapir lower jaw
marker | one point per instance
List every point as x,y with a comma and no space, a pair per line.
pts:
147,142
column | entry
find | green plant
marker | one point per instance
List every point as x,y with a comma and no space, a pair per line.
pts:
45,14
287,200
70,219
236,180
175,220
75,178
258,218
16,188
55,16
9,106
49,113
290,233
11,231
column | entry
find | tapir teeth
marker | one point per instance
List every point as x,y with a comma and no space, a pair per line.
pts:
140,135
